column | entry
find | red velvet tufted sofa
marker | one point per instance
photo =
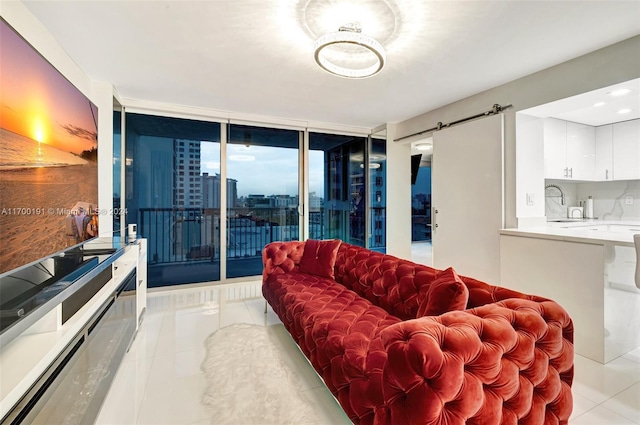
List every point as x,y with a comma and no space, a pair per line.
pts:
506,358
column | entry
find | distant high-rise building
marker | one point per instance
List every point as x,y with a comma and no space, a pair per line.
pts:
257,201
315,202
211,191
283,201
188,184
232,193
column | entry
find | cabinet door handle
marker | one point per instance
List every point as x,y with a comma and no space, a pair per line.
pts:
570,173
565,172
606,174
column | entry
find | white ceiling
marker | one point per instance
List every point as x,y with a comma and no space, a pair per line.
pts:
597,107
256,56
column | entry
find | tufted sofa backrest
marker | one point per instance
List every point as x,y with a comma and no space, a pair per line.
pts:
281,257
481,293
389,282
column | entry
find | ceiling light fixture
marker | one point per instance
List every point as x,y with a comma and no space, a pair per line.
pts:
423,146
624,111
597,104
372,165
346,61
619,92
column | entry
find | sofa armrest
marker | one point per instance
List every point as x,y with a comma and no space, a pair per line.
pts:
281,257
507,362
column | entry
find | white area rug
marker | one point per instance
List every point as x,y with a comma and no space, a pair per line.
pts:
248,380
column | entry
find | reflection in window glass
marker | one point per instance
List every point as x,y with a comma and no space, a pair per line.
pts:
173,194
337,188
378,201
117,170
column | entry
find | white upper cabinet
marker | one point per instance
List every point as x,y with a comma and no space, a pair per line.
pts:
569,150
555,149
575,151
626,150
604,153
581,151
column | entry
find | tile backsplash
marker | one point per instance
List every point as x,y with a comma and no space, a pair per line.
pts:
610,199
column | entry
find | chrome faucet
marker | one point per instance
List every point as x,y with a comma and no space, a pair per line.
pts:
559,190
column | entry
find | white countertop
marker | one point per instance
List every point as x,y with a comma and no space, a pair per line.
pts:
585,231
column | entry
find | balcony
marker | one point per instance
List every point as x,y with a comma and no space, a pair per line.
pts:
184,243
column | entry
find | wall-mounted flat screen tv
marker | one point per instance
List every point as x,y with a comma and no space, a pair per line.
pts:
48,157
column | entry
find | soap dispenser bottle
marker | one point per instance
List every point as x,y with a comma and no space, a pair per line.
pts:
588,208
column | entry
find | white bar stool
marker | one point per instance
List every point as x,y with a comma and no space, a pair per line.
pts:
636,240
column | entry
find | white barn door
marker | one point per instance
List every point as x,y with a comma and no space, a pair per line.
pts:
468,198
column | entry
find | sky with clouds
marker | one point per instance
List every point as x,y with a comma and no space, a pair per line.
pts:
262,170
37,102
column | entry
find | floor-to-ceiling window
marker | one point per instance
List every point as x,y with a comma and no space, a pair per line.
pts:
378,194
117,167
337,188
173,194
174,191
262,194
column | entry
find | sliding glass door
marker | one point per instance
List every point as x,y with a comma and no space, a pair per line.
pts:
209,196
337,187
378,194
173,194
262,194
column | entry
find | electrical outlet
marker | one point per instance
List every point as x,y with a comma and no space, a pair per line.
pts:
628,200
530,199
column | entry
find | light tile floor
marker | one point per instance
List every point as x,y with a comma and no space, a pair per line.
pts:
160,380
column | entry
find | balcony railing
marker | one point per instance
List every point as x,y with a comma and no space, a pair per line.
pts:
250,229
187,235
176,235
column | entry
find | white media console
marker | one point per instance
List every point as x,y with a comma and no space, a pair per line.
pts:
58,359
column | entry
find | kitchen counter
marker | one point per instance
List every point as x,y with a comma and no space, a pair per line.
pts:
587,266
584,231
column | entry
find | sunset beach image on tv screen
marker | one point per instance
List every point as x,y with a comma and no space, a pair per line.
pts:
48,157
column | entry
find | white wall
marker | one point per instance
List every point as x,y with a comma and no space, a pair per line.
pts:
398,196
613,64
530,172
